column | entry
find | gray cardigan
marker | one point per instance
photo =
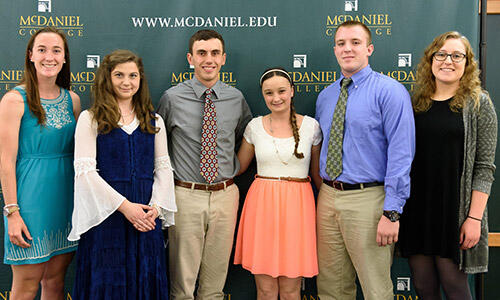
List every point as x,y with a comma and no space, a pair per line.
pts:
478,167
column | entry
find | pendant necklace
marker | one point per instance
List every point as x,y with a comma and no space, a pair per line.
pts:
274,143
127,115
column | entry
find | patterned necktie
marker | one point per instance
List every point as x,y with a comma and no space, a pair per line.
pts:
208,154
334,154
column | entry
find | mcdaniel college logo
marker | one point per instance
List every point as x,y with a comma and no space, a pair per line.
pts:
379,23
72,25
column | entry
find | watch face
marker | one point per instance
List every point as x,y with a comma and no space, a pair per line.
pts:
393,216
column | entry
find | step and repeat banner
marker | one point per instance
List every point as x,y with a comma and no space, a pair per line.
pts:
294,34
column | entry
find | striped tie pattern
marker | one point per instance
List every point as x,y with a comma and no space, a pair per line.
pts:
334,154
208,155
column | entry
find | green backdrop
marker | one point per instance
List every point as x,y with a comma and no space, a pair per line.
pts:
297,35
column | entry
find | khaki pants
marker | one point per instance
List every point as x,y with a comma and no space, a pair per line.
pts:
201,242
347,229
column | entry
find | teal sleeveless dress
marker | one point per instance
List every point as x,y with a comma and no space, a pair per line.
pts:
45,176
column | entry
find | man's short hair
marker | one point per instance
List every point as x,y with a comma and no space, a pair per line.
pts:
352,23
205,35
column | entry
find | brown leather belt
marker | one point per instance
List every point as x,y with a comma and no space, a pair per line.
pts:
285,178
342,186
205,187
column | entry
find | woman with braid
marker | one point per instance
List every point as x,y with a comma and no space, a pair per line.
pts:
277,232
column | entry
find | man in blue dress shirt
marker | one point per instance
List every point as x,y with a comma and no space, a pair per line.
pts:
359,208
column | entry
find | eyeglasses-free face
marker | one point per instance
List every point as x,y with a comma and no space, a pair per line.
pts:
455,56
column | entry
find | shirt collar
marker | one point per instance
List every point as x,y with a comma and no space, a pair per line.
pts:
199,88
359,76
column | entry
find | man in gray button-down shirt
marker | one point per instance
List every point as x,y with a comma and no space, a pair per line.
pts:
202,238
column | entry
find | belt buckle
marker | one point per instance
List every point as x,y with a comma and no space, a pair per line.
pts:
212,187
338,185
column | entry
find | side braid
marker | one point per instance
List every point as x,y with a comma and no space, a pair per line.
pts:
296,137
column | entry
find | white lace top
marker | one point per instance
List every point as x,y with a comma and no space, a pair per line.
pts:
95,199
269,163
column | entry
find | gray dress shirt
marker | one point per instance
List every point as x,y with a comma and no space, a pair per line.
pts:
181,107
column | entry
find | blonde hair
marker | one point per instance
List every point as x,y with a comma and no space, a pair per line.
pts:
470,84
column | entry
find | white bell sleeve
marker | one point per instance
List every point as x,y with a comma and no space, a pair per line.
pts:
95,199
163,195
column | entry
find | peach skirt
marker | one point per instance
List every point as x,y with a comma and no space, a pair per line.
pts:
277,231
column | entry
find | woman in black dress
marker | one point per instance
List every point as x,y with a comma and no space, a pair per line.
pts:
444,227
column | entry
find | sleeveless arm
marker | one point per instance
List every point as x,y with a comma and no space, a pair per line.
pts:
95,199
163,195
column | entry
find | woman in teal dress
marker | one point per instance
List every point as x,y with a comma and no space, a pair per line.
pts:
37,124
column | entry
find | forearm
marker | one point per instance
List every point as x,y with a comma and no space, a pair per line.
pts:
395,196
244,163
397,178
486,141
163,195
478,204
470,230
9,184
124,206
245,155
316,178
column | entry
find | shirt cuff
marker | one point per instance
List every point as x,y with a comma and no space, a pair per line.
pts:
392,203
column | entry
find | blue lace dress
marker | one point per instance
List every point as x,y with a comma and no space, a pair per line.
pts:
44,174
114,260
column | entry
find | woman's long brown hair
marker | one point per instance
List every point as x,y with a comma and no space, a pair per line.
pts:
293,118
105,108
30,80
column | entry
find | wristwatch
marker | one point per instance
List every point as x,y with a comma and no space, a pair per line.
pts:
10,209
392,215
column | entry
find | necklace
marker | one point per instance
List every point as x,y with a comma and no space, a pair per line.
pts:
123,116
274,143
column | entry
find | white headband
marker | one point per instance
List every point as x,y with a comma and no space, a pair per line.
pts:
275,70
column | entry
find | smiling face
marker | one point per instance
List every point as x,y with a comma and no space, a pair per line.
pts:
449,72
47,54
351,49
126,80
207,59
277,93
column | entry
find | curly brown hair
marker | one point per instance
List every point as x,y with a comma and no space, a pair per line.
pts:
105,108
30,80
278,71
470,84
